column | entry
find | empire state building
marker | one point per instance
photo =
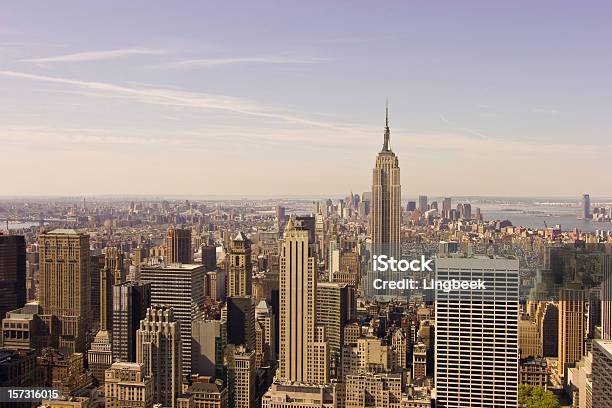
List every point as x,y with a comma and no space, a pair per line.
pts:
385,215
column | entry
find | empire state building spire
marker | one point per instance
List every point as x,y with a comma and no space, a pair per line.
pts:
387,132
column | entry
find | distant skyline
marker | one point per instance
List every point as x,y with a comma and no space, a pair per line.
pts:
287,99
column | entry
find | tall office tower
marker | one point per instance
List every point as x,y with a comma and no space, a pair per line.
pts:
548,328
215,285
333,258
181,287
178,246
320,231
158,348
105,295
209,257
385,217
264,315
127,386
130,303
241,321
586,206
422,204
113,264
286,395
209,341
95,268
459,211
64,285
298,286
100,356
12,273
602,374
241,379
476,336
606,298
467,211
240,268
373,390
572,330
336,305
411,206
280,215
529,339
446,207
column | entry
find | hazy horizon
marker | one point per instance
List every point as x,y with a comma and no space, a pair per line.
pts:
248,99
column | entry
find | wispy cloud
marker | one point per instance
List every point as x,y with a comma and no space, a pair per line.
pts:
95,55
170,97
212,62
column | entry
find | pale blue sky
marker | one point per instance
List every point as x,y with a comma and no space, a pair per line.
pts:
272,98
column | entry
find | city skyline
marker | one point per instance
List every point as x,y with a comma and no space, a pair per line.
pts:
232,87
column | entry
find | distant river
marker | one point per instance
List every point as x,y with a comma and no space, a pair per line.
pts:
534,216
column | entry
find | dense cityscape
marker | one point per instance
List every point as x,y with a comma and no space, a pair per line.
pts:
322,204
271,303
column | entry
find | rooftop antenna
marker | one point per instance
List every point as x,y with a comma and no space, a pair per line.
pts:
387,132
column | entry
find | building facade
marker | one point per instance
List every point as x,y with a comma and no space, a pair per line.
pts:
64,286
158,349
12,273
476,337
180,287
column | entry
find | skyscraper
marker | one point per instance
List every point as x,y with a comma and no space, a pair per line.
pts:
422,203
158,348
335,307
446,207
476,336
586,206
64,291
606,298
240,270
130,303
241,321
602,374
178,246
264,315
181,287
100,356
209,257
467,211
572,328
242,378
297,303
209,341
12,273
385,216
